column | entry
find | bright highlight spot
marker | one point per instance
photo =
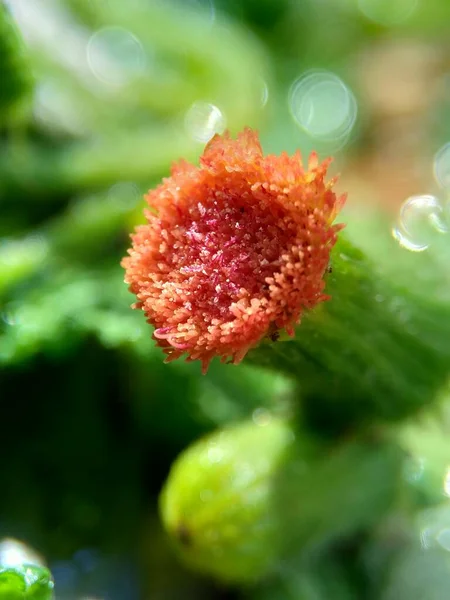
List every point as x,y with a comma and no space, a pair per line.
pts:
405,242
323,106
203,121
14,554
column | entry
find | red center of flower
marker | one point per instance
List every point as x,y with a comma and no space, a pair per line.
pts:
223,251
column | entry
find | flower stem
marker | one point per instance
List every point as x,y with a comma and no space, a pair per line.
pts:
375,350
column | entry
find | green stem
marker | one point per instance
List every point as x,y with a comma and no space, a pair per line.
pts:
375,350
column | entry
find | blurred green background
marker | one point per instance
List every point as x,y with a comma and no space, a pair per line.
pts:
97,98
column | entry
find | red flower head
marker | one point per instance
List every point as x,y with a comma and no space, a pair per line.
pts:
234,250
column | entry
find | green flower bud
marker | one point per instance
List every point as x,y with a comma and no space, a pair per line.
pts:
215,503
243,499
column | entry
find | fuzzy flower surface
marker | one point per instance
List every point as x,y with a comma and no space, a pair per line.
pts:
233,250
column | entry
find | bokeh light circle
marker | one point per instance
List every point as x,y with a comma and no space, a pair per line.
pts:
115,55
323,106
420,218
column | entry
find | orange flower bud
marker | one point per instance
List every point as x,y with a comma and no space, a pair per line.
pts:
234,250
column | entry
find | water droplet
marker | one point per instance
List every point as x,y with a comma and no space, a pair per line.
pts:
323,106
441,166
419,220
115,55
443,539
203,121
261,417
387,12
405,242
420,215
379,298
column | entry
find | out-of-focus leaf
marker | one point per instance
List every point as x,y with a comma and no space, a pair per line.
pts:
15,69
